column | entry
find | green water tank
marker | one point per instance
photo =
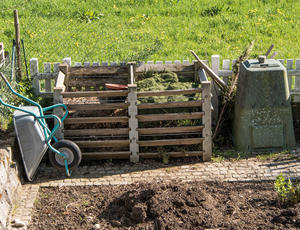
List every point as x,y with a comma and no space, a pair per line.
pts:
262,114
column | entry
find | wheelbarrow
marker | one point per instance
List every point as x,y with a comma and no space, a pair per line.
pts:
34,136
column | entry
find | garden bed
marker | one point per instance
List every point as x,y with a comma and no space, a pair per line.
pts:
197,205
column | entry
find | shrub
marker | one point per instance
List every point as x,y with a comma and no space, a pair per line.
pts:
287,192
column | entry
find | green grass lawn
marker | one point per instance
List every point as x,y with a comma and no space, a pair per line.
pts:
100,30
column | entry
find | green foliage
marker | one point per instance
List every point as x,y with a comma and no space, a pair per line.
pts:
287,192
89,16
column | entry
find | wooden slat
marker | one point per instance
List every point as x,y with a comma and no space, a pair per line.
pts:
169,92
189,129
170,116
106,155
172,154
106,106
106,93
96,120
97,70
170,104
97,81
105,143
95,132
183,141
165,68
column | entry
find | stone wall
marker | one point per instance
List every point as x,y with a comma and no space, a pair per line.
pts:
10,184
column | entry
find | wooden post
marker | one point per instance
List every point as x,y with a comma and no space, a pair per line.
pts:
215,62
58,98
133,123
34,73
18,47
2,56
206,108
226,66
131,72
47,69
297,81
65,69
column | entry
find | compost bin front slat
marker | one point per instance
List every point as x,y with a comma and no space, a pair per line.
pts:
89,120
97,70
106,155
169,92
106,106
105,143
96,81
95,132
172,154
166,130
170,116
165,68
107,93
175,104
183,141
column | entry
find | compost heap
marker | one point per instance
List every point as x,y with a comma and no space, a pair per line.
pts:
166,81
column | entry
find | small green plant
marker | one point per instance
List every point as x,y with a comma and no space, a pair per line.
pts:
287,192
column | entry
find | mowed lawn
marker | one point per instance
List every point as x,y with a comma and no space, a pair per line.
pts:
105,30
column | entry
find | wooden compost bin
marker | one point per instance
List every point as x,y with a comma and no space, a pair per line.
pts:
118,124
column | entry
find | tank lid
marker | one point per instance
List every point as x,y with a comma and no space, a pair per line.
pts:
261,63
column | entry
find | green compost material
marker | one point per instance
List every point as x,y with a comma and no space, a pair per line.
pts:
166,81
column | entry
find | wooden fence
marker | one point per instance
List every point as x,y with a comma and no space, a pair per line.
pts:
50,73
111,123
2,56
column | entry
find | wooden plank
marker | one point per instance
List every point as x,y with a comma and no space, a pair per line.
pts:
183,141
97,81
207,121
97,70
172,154
106,106
169,116
102,143
166,130
169,92
165,68
95,132
106,93
106,155
47,69
175,104
96,120
34,71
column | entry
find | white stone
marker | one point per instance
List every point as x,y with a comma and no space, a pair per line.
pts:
97,226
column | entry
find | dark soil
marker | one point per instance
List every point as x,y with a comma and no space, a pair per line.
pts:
198,205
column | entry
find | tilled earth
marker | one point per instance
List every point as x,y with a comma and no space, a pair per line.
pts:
196,205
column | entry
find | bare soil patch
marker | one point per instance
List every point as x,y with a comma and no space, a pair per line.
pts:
197,205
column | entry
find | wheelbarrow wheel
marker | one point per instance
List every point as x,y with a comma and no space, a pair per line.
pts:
70,149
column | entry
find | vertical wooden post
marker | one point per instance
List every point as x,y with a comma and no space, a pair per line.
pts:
65,69
18,47
226,66
215,62
47,69
34,73
2,56
67,60
58,98
206,120
133,123
297,81
131,72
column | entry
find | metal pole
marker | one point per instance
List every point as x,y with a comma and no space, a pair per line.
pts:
25,58
17,31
